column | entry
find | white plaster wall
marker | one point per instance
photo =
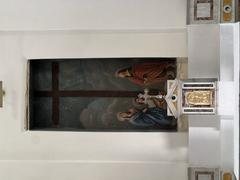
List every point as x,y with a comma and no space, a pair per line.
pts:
227,52
86,28
213,51
121,44
227,102
204,141
204,51
203,62
83,155
236,95
92,171
92,14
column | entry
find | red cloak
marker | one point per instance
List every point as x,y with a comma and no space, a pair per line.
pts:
149,73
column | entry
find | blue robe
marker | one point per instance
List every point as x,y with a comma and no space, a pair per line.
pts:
152,117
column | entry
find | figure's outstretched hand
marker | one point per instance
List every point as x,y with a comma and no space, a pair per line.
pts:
145,81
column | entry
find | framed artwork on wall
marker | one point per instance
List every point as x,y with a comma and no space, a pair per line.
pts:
202,173
99,94
203,11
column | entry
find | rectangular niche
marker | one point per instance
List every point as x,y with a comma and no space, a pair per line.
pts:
203,11
203,173
89,95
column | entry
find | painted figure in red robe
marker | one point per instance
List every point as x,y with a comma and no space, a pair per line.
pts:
145,74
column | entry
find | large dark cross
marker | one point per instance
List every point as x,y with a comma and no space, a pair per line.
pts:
56,94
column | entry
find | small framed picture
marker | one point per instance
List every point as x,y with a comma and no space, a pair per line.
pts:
203,11
199,173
